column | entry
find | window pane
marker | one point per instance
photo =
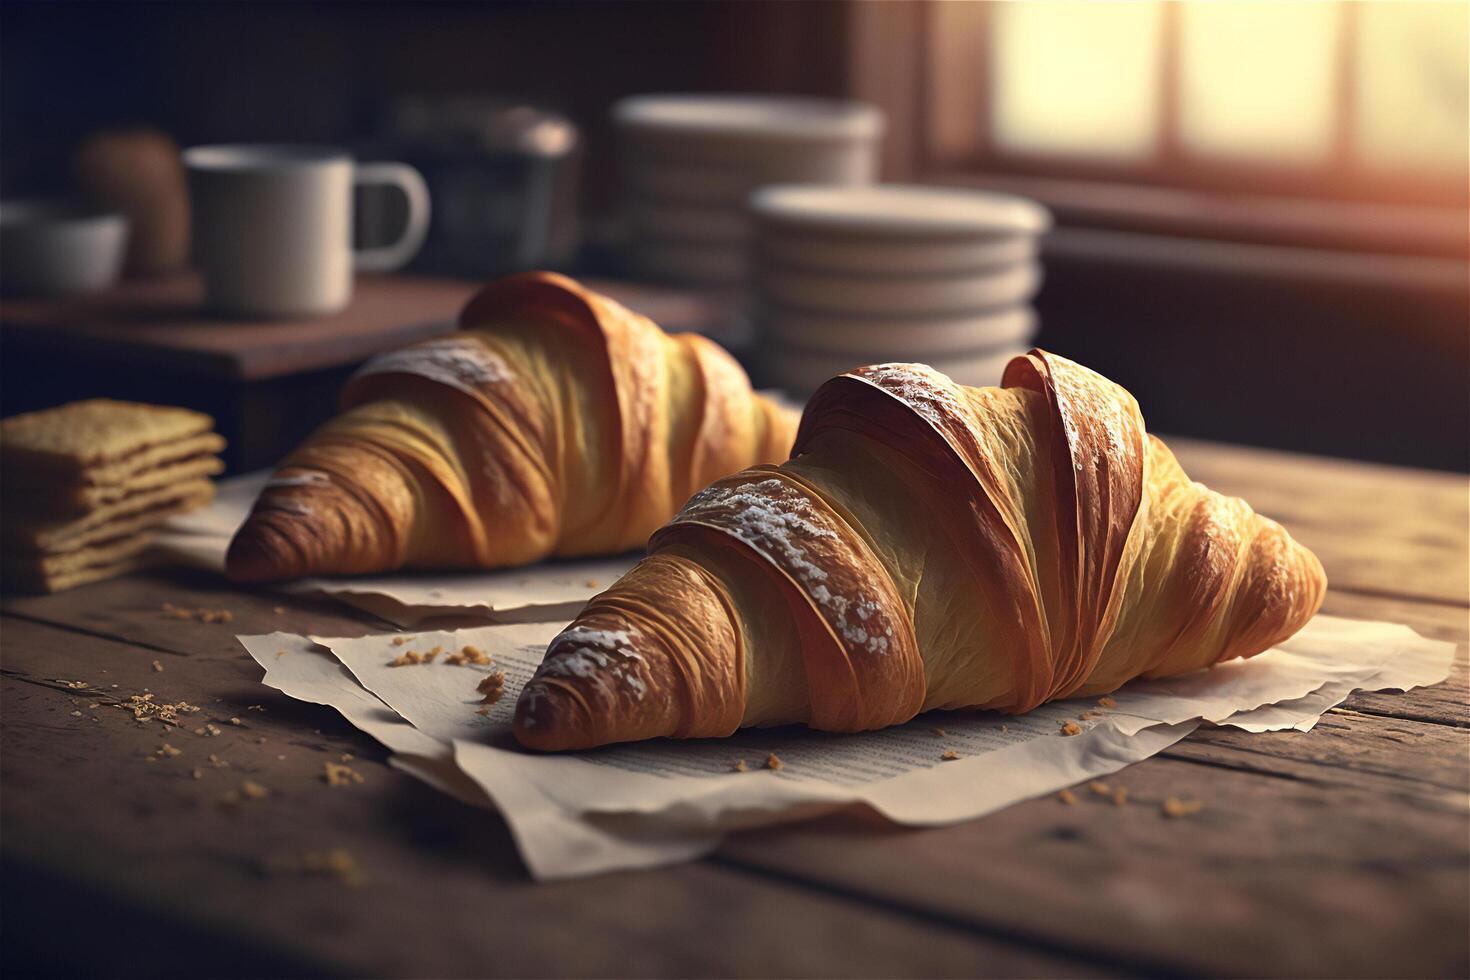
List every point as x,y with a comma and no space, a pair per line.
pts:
1258,80
1412,104
1077,79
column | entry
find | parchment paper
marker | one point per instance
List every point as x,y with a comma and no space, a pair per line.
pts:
553,590
661,801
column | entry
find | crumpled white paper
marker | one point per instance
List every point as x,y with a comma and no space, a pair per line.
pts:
535,593
661,801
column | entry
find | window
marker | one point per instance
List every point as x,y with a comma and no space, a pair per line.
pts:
1364,101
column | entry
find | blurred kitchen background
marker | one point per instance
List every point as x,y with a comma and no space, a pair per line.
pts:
1260,208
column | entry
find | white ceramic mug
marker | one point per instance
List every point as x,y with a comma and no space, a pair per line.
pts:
272,226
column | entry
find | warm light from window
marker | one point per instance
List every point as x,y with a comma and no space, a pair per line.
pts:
1412,99
1258,79
1077,78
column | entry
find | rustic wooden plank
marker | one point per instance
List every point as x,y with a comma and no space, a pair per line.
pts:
131,609
1376,528
1274,877
162,322
442,892
1447,703
1403,761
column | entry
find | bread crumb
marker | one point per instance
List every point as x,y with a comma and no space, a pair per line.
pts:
76,685
1100,788
492,687
280,654
345,757
171,611
1106,701
740,766
278,610
280,758
592,583
338,774
398,641
168,751
77,713
1174,808
1120,796
949,755
938,732
157,667
145,708
252,790
217,762
774,763
469,655
1090,714
198,773
1071,728
336,863
255,707
236,721
1067,796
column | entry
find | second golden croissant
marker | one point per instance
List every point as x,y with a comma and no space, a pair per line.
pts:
555,422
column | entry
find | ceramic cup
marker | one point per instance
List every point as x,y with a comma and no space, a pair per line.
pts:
272,226
59,248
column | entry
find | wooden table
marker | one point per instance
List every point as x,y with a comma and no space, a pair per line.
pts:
1344,851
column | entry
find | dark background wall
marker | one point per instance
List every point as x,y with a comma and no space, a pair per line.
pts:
324,71
1320,352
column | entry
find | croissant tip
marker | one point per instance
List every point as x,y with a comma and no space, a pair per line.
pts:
250,560
543,719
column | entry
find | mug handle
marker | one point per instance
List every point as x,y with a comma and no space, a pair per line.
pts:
386,258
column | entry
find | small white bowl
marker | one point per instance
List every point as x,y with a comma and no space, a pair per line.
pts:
920,257
59,248
741,117
805,371
899,339
898,211
908,296
822,140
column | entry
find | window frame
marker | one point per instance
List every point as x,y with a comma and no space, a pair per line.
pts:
937,95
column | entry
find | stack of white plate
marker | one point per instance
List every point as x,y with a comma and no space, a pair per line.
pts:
690,162
847,276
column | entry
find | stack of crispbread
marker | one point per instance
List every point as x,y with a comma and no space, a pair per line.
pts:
84,486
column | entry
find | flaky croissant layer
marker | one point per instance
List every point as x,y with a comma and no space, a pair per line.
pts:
928,545
554,422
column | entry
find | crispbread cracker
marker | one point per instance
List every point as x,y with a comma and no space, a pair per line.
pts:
97,432
135,512
53,573
27,582
38,501
154,457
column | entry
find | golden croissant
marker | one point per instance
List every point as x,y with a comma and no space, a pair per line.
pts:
554,422
928,545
